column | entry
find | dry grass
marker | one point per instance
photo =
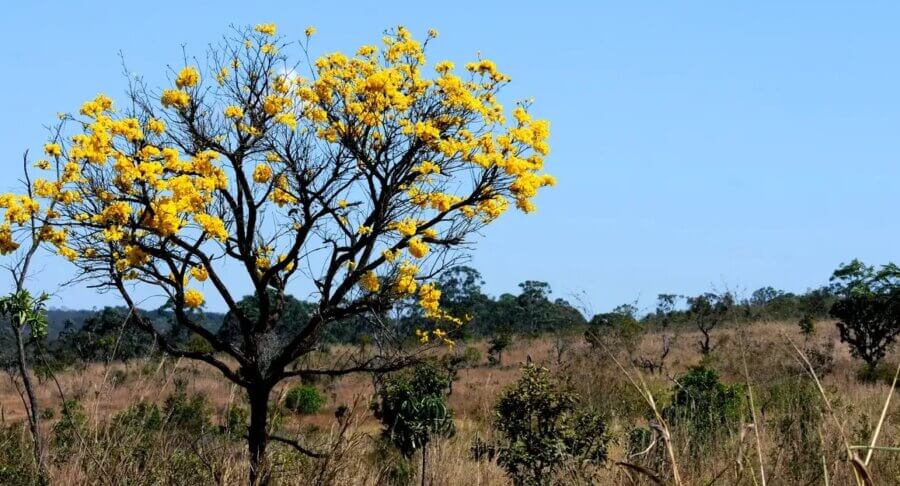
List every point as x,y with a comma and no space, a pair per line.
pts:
772,369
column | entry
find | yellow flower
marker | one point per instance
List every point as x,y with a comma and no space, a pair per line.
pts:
342,203
268,49
68,253
7,245
193,298
418,248
187,77
234,111
369,281
429,298
53,149
267,29
175,97
364,230
156,126
406,278
407,227
310,30
262,173
212,225
433,33
199,272
43,164
422,335
287,119
45,188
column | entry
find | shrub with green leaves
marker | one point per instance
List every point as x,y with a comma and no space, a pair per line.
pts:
704,405
66,431
304,399
541,429
867,309
186,412
412,407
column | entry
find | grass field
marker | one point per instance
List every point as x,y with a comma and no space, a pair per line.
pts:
800,438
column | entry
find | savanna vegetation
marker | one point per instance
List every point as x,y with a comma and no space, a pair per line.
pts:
342,194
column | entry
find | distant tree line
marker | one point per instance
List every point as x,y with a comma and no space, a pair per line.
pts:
108,333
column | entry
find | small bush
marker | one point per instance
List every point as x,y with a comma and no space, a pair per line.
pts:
185,412
542,430
71,425
304,399
236,419
413,408
705,406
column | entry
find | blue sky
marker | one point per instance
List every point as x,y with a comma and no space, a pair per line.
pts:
696,145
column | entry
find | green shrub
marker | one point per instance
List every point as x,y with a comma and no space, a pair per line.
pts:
142,417
413,408
304,399
235,425
705,406
16,459
189,413
67,430
542,429
807,325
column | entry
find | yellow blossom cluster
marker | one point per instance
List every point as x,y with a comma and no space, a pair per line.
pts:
439,138
369,281
193,298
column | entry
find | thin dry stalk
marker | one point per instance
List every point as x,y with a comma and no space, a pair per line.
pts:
859,469
756,433
887,403
661,423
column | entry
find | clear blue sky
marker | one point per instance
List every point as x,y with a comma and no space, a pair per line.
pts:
696,145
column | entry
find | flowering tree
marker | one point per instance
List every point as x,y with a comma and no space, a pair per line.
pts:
361,181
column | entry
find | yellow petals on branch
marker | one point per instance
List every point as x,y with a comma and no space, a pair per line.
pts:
188,77
262,173
267,29
7,244
52,149
406,278
429,298
310,30
200,273
156,126
369,281
175,98
418,248
234,111
45,188
193,298
406,227
212,225
287,119
422,336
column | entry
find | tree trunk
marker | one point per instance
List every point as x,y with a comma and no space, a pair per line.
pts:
257,438
424,461
33,413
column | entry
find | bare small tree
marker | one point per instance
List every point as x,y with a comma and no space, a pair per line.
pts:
23,311
707,311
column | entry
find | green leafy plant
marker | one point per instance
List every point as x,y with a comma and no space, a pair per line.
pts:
541,429
704,405
413,409
868,309
304,399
